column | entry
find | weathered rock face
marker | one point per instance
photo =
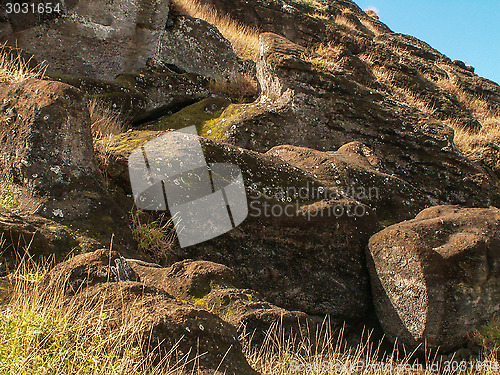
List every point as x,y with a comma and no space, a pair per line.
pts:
312,264
163,90
103,280
216,288
97,39
355,171
119,97
46,140
398,64
302,22
187,279
195,46
142,94
5,27
166,323
304,253
18,21
41,236
304,106
411,68
436,278
47,160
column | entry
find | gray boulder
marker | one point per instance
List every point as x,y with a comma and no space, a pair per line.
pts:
97,39
195,46
436,278
47,161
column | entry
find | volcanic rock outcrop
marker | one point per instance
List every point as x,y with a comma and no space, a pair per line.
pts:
435,278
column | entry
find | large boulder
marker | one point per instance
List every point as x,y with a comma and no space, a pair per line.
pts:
47,161
97,39
216,288
166,325
142,94
436,278
164,90
356,171
84,270
195,46
313,262
39,236
46,140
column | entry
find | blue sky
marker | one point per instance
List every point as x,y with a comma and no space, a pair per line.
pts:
461,29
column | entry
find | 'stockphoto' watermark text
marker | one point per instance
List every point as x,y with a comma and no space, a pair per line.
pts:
265,201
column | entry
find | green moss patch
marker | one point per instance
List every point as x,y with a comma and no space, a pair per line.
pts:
127,142
197,114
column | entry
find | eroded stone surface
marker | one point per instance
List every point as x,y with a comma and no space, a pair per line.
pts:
97,39
435,278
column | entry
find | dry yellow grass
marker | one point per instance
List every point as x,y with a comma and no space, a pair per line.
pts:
328,353
244,39
105,124
14,68
475,104
372,12
104,121
326,57
471,143
402,94
42,333
240,90
479,144
474,143
342,19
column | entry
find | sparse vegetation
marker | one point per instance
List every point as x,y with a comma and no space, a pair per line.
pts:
244,39
7,198
105,124
474,143
344,20
240,90
155,237
15,68
312,4
488,336
326,57
470,142
372,12
42,334
104,121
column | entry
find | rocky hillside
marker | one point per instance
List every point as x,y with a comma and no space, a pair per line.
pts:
371,163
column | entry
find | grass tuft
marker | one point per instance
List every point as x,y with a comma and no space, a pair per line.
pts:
104,121
15,68
155,237
105,124
243,89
